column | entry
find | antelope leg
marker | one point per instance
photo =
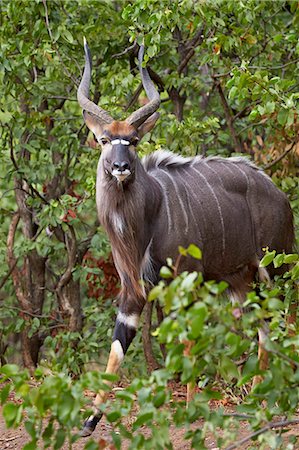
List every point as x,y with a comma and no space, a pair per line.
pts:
124,333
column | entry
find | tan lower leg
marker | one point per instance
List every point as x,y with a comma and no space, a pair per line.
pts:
190,386
114,361
262,356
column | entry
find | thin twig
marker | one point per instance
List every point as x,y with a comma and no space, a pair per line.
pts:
134,98
12,157
222,75
6,277
53,43
10,439
31,314
239,415
269,426
195,42
271,164
229,118
282,66
12,261
72,257
283,356
127,50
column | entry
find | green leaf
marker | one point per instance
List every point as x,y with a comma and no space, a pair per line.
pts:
65,406
155,292
91,445
113,416
267,259
59,439
159,399
282,116
165,272
10,412
30,428
194,251
5,393
200,313
183,251
142,419
188,281
291,258
278,260
5,116
30,446
228,369
10,370
275,304
68,36
295,272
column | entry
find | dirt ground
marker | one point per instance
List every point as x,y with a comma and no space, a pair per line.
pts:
15,439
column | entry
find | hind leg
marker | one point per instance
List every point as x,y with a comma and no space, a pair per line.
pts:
190,385
240,285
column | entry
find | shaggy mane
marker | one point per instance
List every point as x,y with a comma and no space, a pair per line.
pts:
162,159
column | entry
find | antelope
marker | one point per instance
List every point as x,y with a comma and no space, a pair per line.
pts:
227,207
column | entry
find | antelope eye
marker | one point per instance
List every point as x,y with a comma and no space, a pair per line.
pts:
134,141
104,141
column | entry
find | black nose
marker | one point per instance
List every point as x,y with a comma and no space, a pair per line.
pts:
122,166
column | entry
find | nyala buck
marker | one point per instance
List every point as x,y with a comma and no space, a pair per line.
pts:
227,207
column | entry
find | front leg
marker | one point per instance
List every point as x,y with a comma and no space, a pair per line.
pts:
124,332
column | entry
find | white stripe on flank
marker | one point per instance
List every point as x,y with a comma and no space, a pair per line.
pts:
147,271
180,200
117,349
197,201
130,321
218,207
212,170
169,221
188,194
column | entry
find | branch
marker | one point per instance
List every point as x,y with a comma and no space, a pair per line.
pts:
39,316
283,356
72,256
12,262
282,66
195,42
54,45
239,415
271,164
134,97
127,50
12,157
229,118
6,277
222,75
269,426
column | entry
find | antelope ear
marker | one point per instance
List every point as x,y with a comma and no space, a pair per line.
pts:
148,125
93,123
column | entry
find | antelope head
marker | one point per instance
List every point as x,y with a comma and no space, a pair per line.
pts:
118,139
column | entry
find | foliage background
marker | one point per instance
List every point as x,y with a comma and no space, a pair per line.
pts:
227,72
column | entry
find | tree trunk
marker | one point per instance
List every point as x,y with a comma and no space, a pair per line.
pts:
70,305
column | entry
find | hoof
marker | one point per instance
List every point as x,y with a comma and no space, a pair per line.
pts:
89,426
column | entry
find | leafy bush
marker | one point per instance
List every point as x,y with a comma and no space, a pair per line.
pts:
220,335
